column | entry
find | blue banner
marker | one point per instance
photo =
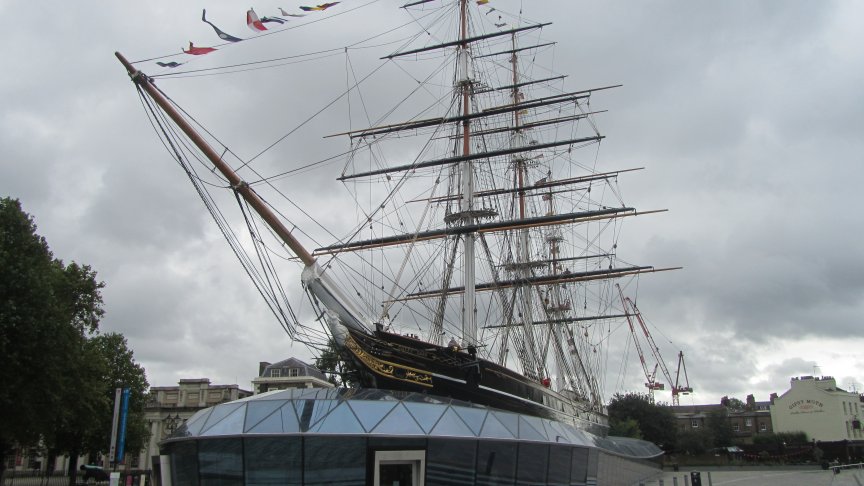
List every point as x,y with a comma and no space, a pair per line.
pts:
124,412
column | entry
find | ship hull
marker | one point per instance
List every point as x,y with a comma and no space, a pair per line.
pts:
394,362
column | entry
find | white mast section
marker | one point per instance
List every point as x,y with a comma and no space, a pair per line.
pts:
466,203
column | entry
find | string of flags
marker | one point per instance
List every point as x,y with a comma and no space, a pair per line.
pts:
253,21
258,25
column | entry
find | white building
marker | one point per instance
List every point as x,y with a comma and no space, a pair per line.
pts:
168,407
289,373
817,407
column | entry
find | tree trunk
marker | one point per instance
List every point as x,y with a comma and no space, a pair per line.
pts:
73,465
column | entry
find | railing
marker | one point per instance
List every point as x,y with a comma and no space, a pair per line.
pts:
60,478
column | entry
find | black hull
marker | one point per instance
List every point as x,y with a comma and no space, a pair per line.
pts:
394,362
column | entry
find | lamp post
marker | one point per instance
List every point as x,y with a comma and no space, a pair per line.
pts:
171,423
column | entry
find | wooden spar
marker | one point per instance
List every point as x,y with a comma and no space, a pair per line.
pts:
431,122
558,279
560,321
418,2
536,187
466,40
236,182
524,83
558,219
511,51
469,157
527,126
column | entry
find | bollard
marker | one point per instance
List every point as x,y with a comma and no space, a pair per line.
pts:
686,481
661,482
710,481
674,481
695,478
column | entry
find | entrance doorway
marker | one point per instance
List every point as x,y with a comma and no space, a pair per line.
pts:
400,468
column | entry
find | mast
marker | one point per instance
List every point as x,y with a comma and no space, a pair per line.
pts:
469,322
534,364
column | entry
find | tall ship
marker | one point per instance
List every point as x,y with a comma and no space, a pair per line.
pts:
467,246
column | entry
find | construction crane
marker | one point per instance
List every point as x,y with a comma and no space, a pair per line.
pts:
630,310
678,389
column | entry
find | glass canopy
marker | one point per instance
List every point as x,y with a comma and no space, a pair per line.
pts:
387,413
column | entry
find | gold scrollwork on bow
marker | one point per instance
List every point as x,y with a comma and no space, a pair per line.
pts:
385,368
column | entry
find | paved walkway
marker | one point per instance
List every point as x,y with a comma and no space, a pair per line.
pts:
765,477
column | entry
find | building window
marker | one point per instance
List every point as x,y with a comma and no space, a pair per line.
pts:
694,423
748,422
844,409
763,427
293,371
736,427
276,373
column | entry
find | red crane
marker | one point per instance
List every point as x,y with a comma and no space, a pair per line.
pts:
652,383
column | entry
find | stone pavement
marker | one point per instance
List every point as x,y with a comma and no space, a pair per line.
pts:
763,477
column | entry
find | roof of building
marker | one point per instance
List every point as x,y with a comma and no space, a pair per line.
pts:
386,413
305,369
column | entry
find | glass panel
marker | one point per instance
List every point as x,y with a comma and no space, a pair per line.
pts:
184,463
533,459
450,462
319,412
399,422
473,417
593,463
396,474
494,429
259,410
194,424
230,425
558,432
220,412
496,463
528,428
509,420
340,421
370,413
426,414
289,419
304,409
452,425
274,461
559,465
579,466
337,461
270,425
221,462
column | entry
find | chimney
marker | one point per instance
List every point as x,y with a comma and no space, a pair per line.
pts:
262,365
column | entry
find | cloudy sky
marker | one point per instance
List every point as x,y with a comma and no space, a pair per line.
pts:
748,116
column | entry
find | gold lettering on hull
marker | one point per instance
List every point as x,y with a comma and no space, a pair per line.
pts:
388,369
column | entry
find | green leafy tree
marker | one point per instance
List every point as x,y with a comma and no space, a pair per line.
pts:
656,422
47,309
339,372
733,404
624,428
718,425
58,373
695,441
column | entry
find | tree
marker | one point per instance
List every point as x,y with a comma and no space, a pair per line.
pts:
624,428
331,362
58,373
721,431
656,422
106,363
46,310
733,404
695,441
